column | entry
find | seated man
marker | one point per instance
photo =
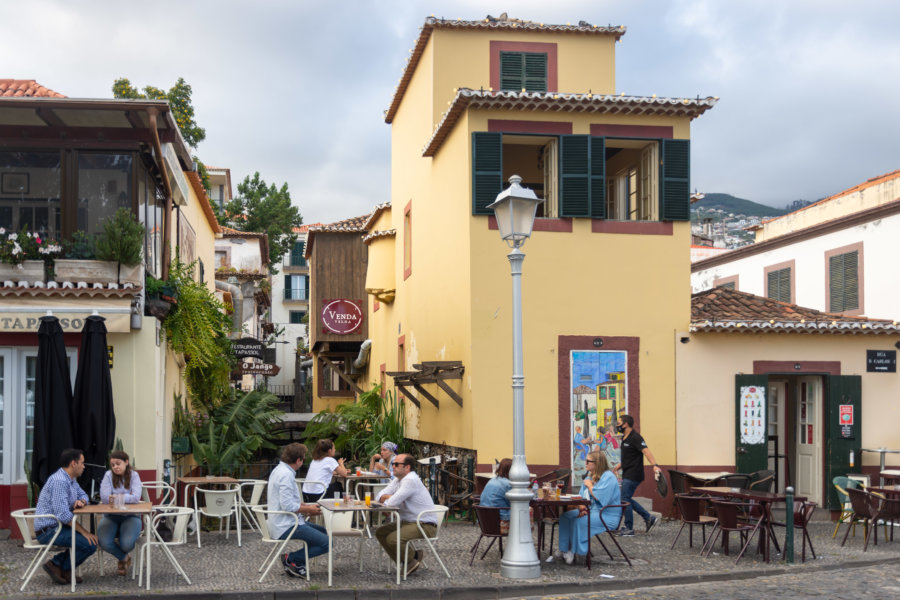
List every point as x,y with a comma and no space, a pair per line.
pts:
409,495
283,494
61,495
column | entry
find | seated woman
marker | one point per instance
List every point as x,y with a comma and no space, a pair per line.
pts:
120,479
323,468
494,493
381,462
601,487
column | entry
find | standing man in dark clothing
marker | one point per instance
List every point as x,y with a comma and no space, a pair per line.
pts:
634,449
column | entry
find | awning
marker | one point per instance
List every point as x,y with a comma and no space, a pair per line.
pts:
437,372
22,315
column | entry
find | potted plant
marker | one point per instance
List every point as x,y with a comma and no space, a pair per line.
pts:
182,428
22,255
161,295
117,250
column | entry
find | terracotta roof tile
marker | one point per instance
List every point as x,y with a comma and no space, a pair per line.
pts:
547,102
724,309
487,24
26,88
351,225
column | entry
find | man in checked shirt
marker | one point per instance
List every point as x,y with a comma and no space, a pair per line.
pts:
407,492
60,496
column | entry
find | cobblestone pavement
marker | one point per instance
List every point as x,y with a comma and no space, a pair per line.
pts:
877,582
220,569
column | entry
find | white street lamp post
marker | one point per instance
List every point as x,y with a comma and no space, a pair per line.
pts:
515,209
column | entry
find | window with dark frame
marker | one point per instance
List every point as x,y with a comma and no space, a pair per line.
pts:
296,317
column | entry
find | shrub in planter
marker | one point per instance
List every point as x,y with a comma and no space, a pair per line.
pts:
122,240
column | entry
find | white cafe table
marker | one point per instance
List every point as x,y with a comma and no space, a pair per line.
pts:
358,506
881,469
139,508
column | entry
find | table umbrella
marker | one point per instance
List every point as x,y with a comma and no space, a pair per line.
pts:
93,414
53,430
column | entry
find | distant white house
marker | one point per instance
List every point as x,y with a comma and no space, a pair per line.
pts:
836,255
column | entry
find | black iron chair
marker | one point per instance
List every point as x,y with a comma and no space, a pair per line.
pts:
611,533
762,485
861,508
489,523
550,516
735,480
457,493
693,510
729,520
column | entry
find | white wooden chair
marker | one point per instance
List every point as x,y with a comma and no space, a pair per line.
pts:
182,517
262,514
164,494
25,520
256,487
220,504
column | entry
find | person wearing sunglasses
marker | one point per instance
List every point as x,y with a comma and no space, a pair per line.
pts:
407,492
601,487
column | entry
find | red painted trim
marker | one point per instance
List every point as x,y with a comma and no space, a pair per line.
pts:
407,239
549,48
514,126
632,227
30,339
764,367
567,343
632,131
563,225
788,264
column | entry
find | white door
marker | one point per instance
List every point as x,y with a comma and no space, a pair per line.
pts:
776,400
809,438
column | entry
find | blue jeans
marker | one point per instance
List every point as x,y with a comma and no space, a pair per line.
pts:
125,527
83,548
628,487
316,539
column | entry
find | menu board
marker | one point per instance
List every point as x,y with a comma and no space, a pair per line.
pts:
752,417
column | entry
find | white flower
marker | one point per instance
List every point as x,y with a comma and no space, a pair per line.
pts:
2,231
13,236
17,249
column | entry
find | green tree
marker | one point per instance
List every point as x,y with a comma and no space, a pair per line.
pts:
265,209
179,97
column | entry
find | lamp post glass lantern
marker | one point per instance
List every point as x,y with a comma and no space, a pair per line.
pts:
515,209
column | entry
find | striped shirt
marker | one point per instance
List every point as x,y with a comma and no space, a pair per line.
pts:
57,497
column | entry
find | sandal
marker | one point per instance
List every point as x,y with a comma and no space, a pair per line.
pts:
122,568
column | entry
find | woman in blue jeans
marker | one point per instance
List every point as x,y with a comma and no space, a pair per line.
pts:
601,487
120,479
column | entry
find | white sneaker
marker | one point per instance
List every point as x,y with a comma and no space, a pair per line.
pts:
569,557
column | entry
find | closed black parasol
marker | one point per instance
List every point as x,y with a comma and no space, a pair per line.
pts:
53,425
93,414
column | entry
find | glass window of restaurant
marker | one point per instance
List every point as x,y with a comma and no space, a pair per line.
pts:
30,192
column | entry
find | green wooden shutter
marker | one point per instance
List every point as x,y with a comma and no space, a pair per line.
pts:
841,390
750,457
512,71
535,72
297,259
574,176
487,170
675,181
843,289
598,177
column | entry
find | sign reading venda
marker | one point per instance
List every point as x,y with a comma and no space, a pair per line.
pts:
341,316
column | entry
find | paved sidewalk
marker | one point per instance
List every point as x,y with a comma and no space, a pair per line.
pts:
221,569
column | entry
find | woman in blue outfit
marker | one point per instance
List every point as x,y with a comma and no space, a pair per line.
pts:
601,487
494,493
120,479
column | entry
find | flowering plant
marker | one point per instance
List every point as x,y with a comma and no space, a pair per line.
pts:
18,247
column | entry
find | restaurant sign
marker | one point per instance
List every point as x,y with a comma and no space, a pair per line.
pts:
118,320
342,316
250,368
881,361
247,347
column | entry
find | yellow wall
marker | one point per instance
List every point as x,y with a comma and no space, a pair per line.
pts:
706,388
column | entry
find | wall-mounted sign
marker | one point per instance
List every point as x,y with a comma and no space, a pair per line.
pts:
247,347
752,417
881,361
249,368
845,416
342,316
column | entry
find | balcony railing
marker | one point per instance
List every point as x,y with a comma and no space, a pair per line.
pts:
295,294
293,261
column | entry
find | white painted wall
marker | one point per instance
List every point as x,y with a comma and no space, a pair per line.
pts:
285,353
881,288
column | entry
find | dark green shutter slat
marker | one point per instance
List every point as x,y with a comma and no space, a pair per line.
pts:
526,70
598,177
574,172
535,72
773,284
779,283
836,284
511,71
843,292
487,170
851,280
675,180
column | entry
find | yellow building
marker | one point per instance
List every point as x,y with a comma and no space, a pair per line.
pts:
478,102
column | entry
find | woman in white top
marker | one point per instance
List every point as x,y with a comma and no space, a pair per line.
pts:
323,468
120,479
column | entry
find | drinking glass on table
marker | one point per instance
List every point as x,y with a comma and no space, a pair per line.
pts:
337,498
368,499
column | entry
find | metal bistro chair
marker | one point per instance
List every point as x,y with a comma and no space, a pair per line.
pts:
550,516
802,513
158,493
611,533
441,512
692,513
374,490
256,488
220,504
489,523
456,491
841,484
729,520
25,520
182,517
734,480
262,514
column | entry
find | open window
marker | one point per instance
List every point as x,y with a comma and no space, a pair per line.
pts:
535,159
632,180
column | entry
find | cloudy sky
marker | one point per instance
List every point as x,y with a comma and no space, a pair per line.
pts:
296,89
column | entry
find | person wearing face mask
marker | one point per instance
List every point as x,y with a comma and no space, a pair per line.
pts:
634,449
